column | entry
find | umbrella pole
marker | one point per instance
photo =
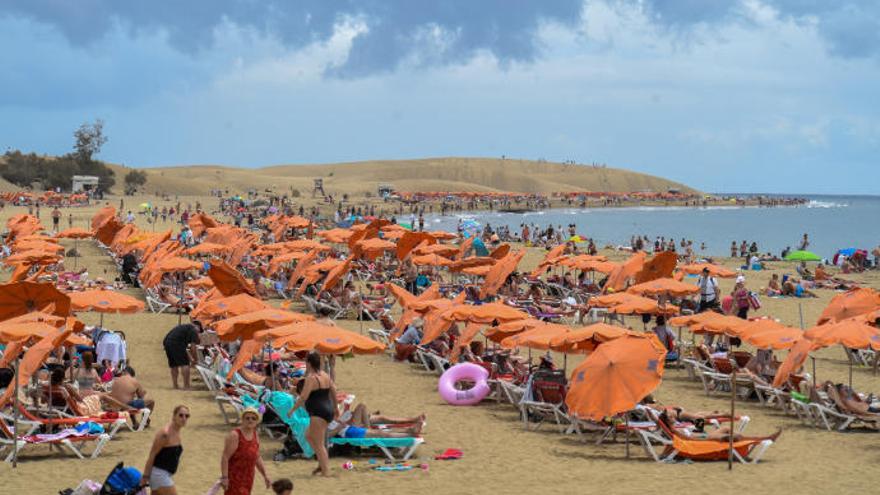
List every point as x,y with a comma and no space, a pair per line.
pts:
801,313
850,370
75,251
732,412
101,324
15,406
626,432
814,370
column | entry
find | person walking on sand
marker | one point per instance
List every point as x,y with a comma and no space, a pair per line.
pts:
180,349
241,456
164,457
708,291
319,398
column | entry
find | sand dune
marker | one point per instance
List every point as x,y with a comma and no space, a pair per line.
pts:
430,174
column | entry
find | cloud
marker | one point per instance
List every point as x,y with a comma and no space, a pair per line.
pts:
427,33
850,28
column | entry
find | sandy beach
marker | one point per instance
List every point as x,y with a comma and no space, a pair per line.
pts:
499,455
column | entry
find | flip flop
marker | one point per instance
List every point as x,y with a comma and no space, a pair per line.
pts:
450,455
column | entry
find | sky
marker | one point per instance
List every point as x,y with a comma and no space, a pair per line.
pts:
723,95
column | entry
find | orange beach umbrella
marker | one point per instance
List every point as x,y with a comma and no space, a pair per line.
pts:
615,377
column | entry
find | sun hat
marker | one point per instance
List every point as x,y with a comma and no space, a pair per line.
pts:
252,410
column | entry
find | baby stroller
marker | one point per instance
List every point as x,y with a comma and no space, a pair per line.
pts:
122,481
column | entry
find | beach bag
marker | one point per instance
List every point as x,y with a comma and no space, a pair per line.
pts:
122,480
727,305
754,302
87,487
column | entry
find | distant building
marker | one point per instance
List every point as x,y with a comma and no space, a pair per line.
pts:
385,190
84,183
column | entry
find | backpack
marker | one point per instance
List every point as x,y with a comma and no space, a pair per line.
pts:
122,480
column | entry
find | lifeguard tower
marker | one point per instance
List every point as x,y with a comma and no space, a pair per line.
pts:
319,186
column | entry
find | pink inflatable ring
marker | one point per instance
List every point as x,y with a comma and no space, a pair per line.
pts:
461,372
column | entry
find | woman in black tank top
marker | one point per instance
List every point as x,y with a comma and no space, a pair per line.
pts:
317,393
165,455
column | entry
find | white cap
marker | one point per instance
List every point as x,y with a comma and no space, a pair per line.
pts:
741,279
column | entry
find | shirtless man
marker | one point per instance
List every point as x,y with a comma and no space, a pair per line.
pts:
127,390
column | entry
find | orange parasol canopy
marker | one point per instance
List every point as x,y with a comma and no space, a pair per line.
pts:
103,216
484,313
336,273
794,361
587,338
301,266
37,246
618,279
245,325
853,333
249,348
18,298
228,280
615,377
35,329
176,264
33,359
536,338
769,334
33,258
643,306
499,272
200,283
498,333
104,301
851,303
728,325
611,300
479,271
472,262
442,235
312,336
500,252
206,248
373,248
227,307
432,260
338,236
659,267
74,233
664,286
687,320
444,250
552,257
714,270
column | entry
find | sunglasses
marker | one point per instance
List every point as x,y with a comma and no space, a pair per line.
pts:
183,415
251,416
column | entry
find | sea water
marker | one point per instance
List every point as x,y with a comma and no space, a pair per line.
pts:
832,223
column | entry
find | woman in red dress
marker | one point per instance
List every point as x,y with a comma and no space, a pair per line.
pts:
241,455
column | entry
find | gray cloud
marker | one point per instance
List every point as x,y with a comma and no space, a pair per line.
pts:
506,28
851,28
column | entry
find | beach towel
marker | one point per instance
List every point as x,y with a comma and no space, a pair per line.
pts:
281,403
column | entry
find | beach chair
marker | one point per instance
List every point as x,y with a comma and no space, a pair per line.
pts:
547,403
154,302
67,439
112,424
382,336
394,449
677,446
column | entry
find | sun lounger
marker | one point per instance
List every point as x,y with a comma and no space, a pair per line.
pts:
678,446
403,447
67,439
547,403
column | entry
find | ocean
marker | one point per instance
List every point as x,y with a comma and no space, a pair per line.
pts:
832,223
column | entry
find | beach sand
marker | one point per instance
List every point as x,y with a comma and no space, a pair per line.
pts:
499,455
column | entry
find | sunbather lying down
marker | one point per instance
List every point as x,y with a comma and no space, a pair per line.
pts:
358,423
720,433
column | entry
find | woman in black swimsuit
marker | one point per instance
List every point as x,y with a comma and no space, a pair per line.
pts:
319,398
